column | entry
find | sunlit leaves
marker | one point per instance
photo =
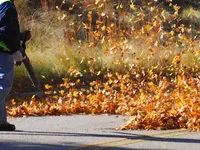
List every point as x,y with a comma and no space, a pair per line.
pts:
164,104
177,60
138,69
47,87
132,6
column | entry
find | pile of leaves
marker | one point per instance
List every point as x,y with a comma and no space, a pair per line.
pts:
155,101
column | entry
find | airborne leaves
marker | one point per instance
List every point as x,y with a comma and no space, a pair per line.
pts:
143,70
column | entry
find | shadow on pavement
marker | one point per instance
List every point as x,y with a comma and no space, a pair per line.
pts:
118,135
13,145
159,139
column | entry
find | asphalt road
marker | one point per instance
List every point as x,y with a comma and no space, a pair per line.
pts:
85,132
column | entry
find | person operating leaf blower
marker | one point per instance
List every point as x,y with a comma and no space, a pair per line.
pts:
9,55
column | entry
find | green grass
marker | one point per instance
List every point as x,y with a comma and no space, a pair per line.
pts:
191,15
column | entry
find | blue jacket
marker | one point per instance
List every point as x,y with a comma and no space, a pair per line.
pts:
9,27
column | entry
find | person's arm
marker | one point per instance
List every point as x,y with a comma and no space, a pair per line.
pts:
9,26
13,42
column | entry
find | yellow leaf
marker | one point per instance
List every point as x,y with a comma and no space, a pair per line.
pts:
62,92
148,27
71,24
97,1
89,62
172,33
33,97
47,86
152,9
98,73
43,77
13,101
132,6
75,93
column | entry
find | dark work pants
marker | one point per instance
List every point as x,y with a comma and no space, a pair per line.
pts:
6,81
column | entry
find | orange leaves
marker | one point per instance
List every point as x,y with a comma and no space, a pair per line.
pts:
47,86
131,63
13,102
164,104
177,60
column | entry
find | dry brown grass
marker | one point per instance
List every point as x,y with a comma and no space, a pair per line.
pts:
51,53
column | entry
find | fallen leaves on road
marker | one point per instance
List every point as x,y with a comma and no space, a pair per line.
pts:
161,103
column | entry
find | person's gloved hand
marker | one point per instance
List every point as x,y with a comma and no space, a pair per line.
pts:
18,58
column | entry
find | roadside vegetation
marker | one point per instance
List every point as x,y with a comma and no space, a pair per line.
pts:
137,59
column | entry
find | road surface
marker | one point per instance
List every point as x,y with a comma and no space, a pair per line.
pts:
86,132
